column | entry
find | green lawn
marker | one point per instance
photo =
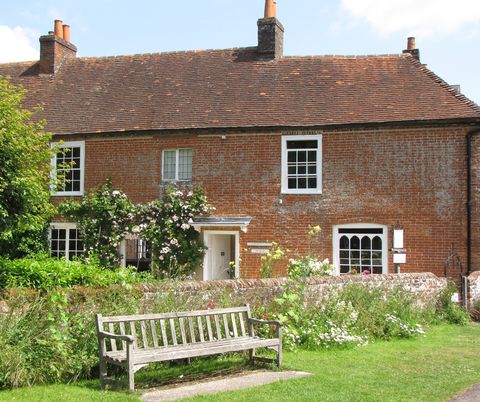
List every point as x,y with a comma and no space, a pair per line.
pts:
432,368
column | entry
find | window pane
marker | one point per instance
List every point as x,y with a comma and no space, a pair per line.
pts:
302,144
344,242
169,160
292,183
365,242
302,156
292,156
302,182
312,183
185,164
355,242
344,269
377,243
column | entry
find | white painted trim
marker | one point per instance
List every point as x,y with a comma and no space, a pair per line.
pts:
336,238
61,225
70,144
207,234
199,226
284,169
177,161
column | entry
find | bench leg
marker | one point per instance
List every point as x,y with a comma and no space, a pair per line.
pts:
130,368
103,373
279,355
131,379
251,354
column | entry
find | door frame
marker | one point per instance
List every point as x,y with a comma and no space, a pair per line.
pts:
207,259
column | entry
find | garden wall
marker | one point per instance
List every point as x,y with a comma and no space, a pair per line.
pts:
261,292
171,296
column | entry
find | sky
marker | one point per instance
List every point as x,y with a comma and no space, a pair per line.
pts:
447,32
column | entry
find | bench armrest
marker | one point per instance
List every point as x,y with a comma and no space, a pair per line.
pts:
126,338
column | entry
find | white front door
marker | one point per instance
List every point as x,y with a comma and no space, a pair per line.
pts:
221,256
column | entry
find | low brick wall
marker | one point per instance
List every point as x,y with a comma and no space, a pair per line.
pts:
473,288
261,292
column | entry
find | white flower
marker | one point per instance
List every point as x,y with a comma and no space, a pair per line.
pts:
185,226
115,193
174,242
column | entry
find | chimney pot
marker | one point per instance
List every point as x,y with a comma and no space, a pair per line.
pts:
58,28
411,43
412,48
66,32
270,9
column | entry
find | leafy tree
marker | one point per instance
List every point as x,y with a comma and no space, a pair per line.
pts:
104,217
25,155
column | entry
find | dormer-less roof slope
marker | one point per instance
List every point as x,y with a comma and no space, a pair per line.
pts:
232,88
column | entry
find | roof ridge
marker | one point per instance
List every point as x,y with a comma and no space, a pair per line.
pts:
173,52
342,56
444,84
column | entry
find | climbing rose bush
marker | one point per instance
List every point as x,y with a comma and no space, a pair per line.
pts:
104,218
167,226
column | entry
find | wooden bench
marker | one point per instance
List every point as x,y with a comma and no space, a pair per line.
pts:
134,341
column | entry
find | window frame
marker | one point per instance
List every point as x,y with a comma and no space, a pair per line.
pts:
359,226
177,164
69,144
67,227
284,169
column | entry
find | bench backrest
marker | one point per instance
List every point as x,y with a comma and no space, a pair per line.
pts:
180,328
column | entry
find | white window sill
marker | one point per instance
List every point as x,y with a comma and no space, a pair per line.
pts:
67,194
299,192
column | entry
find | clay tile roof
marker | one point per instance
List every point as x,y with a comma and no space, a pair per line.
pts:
232,88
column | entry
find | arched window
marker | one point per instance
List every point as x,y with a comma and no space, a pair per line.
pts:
360,248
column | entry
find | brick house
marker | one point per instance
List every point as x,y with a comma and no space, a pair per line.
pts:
359,145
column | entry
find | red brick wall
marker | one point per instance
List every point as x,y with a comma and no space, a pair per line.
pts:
475,202
414,176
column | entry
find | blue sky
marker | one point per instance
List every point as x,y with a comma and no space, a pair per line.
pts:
447,32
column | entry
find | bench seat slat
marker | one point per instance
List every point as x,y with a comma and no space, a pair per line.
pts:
183,351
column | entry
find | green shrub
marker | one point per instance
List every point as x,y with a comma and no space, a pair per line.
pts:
450,311
44,272
352,316
47,337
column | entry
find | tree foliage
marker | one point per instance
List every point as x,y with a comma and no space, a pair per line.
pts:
25,155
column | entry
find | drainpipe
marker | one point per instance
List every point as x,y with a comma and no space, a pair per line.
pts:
470,136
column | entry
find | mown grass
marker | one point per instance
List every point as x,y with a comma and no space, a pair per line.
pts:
431,368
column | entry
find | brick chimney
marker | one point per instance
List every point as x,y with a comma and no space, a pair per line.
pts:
270,33
55,48
411,48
